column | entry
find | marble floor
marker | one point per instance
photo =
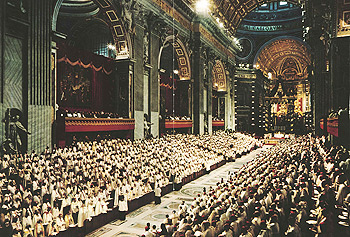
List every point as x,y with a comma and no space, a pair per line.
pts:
155,214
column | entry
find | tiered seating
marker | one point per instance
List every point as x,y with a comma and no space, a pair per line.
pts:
73,190
296,188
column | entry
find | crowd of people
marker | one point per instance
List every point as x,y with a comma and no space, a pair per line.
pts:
215,118
43,194
88,114
299,187
174,117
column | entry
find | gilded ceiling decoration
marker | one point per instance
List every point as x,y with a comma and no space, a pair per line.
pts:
232,12
219,76
286,57
182,60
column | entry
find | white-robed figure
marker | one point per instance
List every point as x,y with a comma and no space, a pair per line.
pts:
75,209
123,206
116,196
98,207
47,217
82,214
157,194
55,211
61,223
102,198
90,208
27,220
54,195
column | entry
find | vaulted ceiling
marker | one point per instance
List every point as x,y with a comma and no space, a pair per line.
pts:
78,8
285,57
232,12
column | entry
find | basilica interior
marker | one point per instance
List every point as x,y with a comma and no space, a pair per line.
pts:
109,106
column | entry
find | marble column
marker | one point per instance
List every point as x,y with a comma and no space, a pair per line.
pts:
233,105
25,67
316,86
138,83
229,112
40,86
154,82
228,107
197,75
210,95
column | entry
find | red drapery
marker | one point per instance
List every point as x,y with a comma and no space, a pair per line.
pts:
84,59
84,80
170,87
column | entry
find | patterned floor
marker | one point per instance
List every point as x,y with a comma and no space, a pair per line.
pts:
155,214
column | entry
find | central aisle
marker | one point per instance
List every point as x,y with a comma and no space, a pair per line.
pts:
155,214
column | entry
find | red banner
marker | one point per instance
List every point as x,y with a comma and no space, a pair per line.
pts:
322,124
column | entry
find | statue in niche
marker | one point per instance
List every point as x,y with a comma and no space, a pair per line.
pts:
14,131
188,46
146,47
147,126
205,65
205,69
129,6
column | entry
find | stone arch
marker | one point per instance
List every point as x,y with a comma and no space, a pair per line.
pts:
271,57
219,76
233,12
120,36
182,57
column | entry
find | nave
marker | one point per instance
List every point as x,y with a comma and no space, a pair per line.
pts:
299,187
101,101
155,214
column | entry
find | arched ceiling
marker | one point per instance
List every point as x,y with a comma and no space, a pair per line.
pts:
285,57
77,11
232,12
78,8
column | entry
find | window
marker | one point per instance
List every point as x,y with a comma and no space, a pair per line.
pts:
283,3
264,7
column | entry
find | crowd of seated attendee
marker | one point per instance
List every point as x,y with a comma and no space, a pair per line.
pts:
43,194
217,119
297,188
223,143
88,114
174,117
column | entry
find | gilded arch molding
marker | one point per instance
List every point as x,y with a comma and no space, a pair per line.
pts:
182,57
219,76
